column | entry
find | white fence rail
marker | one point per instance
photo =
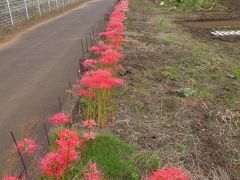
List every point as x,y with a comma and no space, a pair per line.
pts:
14,12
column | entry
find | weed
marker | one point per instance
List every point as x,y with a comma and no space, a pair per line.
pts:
236,158
170,73
123,91
148,162
181,147
231,76
138,108
186,92
168,39
163,25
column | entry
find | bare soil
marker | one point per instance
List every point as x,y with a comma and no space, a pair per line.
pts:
233,5
166,51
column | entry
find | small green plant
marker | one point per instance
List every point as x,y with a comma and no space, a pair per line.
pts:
181,147
170,73
231,76
148,162
186,92
236,159
138,108
123,91
163,25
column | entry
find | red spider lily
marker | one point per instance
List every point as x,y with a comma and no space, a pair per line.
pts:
114,37
59,119
90,63
115,25
86,93
110,57
53,165
89,123
28,146
122,6
169,174
92,79
115,28
69,156
93,173
100,79
100,48
68,140
10,178
89,135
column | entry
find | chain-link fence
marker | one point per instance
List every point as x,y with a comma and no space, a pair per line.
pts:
14,12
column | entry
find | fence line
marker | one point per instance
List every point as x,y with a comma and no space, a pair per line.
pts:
15,12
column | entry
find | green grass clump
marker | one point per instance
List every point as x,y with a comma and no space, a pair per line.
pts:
112,156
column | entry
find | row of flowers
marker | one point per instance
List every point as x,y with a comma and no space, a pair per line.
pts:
98,90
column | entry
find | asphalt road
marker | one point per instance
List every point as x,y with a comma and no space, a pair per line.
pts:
35,71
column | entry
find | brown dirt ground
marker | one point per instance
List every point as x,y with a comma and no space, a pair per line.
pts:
232,5
163,53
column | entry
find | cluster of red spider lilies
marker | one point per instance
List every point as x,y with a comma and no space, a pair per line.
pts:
100,84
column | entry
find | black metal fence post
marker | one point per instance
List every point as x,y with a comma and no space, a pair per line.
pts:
19,153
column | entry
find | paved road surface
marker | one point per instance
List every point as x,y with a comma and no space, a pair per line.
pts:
36,69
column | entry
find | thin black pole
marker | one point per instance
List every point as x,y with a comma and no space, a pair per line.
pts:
90,36
93,37
60,104
82,48
19,153
46,133
99,27
87,43
70,87
93,32
81,67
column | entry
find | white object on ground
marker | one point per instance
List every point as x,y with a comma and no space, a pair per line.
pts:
226,33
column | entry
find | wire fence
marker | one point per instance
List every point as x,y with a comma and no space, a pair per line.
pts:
15,12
